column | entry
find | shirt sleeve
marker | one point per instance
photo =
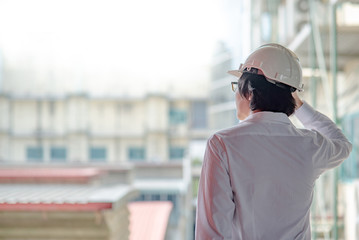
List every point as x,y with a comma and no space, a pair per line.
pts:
215,205
332,146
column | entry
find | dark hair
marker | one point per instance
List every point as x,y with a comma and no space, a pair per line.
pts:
266,96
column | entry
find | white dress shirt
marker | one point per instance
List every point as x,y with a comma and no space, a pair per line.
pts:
258,177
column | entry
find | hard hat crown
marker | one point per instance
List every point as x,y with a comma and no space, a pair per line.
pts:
277,63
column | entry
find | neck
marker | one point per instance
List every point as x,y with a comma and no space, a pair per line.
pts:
255,111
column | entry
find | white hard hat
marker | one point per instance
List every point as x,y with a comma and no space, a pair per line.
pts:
277,63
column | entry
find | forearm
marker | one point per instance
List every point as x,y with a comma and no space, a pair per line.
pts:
314,120
334,147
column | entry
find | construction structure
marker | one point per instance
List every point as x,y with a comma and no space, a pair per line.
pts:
324,35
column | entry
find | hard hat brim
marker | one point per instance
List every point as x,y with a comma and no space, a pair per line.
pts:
239,73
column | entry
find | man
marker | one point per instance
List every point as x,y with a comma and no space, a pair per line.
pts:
258,177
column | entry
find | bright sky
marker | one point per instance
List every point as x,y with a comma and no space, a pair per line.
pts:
87,42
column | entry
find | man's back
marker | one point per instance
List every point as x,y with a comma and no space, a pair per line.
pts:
272,176
265,169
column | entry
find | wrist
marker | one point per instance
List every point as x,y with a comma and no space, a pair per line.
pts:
298,103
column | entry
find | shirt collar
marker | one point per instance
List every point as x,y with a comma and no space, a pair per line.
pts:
265,116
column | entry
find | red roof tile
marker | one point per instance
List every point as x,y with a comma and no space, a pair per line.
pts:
76,207
79,175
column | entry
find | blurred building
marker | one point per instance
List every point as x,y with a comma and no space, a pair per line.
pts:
82,129
149,137
152,137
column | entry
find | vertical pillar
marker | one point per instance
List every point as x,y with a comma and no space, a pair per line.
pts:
333,62
313,93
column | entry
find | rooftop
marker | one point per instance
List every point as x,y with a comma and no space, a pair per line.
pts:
62,197
63,175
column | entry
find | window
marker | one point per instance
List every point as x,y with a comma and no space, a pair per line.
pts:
35,154
173,198
98,154
136,154
58,154
177,153
141,198
199,115
155,197
177,116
